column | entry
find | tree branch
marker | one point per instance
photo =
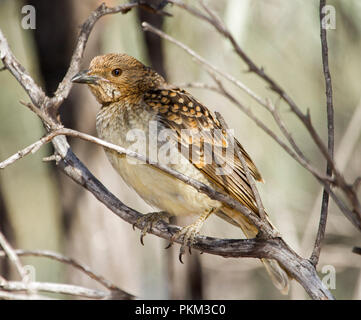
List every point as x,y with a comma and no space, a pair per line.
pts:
54,288
331,139
5,295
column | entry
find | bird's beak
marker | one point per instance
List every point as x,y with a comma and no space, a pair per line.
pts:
85,77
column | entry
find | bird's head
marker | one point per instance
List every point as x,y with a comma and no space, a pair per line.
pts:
113,77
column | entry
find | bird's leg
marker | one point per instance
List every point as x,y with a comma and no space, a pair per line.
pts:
189,233
149,219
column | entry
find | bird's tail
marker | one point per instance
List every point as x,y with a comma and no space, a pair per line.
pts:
278,275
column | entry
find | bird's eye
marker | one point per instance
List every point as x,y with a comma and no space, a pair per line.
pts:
116,72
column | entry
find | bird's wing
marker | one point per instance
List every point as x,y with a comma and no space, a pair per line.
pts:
203,140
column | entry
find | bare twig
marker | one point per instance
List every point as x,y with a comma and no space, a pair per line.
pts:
12,257
5,295
331,140
342,155
54,288
34,147
115,290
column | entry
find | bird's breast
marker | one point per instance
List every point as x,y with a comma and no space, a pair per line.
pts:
132,130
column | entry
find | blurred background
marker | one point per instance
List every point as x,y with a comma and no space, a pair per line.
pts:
42,209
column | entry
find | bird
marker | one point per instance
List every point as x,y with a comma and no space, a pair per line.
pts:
140,111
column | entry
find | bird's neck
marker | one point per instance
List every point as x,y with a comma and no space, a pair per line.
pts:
116,121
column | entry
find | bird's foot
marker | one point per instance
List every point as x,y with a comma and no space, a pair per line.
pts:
189,234
148,220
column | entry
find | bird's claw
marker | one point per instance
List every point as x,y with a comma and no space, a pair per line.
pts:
189,233
148,220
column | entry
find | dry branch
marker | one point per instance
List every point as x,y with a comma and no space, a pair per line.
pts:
11,254
331,140
16,286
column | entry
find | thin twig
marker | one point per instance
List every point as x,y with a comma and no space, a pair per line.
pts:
13,257
116,291
33,148
5,295
331,140
342,155
54,288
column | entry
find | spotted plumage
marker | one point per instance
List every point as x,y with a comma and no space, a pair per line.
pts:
186,114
